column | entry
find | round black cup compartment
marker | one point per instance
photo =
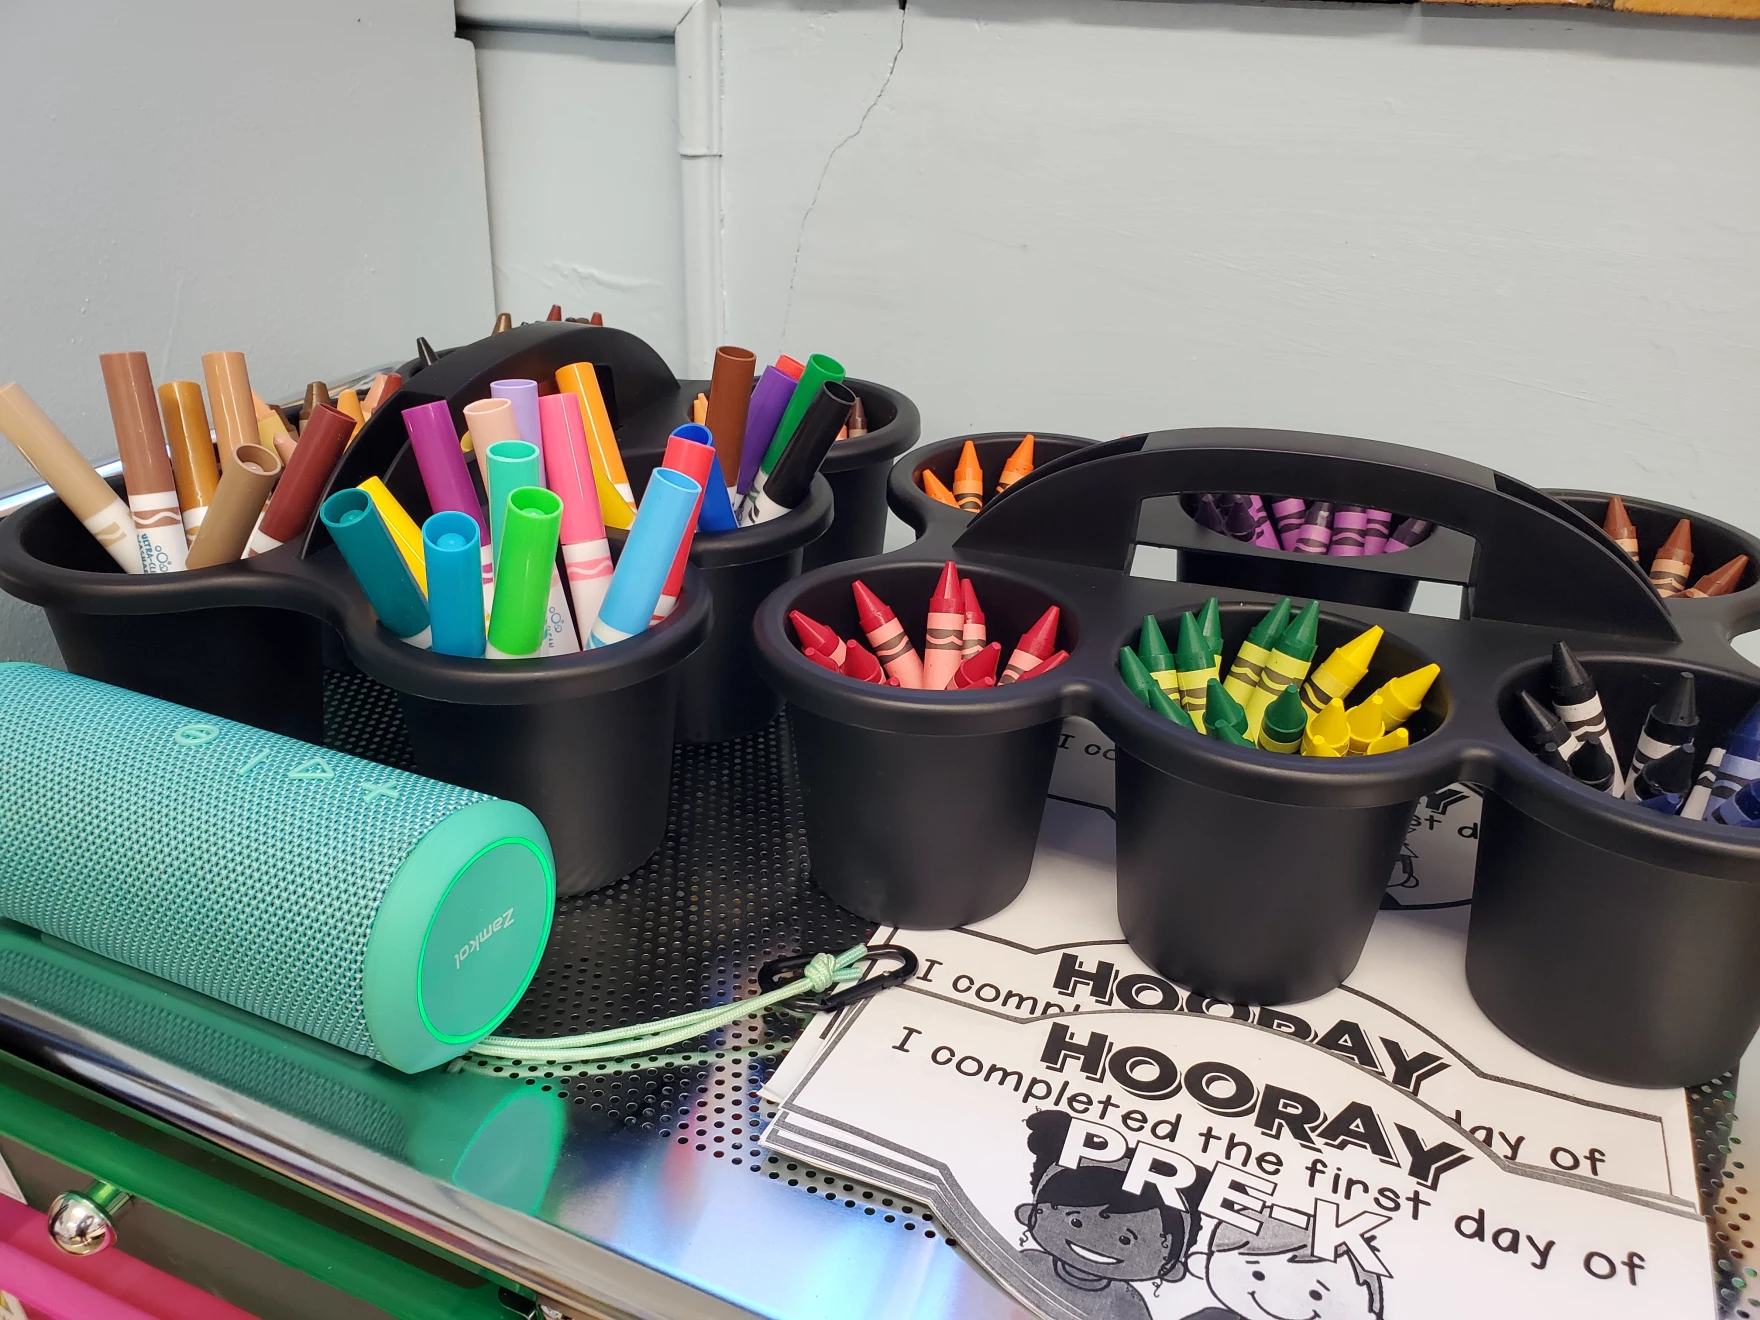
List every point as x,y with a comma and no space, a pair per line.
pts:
1714,543
1246,896
905,488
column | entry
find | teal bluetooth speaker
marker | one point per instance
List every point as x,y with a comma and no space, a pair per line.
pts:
392,915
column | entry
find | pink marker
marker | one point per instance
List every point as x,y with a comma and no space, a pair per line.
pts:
688,450
585,552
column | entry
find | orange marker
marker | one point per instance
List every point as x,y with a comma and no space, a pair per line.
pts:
348,403
968,480
972,636
936,489
815,636
944,630
1620,528
979,670
887,636
858,662
1019,464
1668,571
1037,645
1718,582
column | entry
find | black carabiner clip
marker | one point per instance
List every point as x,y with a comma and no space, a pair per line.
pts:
780,971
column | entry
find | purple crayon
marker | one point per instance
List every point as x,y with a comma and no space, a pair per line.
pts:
1377,523
1237,517
1348,526
1315,532
1408,534
1206,514
1286,516
1263,532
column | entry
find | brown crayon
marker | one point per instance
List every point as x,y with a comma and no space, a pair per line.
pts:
1668,571
1620,528
1720,581
317,395
503,323
193,465
858,420
968,480
555,313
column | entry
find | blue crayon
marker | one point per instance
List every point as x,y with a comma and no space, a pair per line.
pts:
1743,808
1740,766
360,533
716,514
452,542
647,557
523,395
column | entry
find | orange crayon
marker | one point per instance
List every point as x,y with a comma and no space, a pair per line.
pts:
892,647
1037,645
1620,528
979,670
859,662
973,635
815,636
1668,571
936,489
1019,464
968,480
944,630
1720,581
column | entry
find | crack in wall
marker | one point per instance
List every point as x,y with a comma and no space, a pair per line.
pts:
800,239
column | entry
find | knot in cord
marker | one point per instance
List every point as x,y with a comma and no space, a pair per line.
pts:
822,972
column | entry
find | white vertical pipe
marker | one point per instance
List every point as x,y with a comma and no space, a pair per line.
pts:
697,56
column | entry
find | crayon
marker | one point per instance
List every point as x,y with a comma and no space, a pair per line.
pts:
359,531
1287,515
1662,783
272,432
730,398
887,636
1135,674
935,489
555,312
1547,736
1620,528
317,396
348,403
1668,727
1579,705
503,323
1366,724
1208,515
700,409
1593,767
586,552
858,420
1719,581
770,398
425,354
1395,740
1407,535
1229,734
1222,711
1349,528
1018,464
1403,695
405,535
238,502
1035,648
688,450
1210,624
968,480
194,468
616,502
647,557
1254,651
818,637
520,622
1194,666
523,396
716,515
1291,656
434,440
1264,534
1284,722
1333,679
789,480
385,384
450,541
1157,658
1237,517
1377,523
943,630
301,486
980,670
1315,534
1668,571
821,659
146,463
859,663
1328,732
511,465
87,495
1744,808
1740,763
819,369
1699,798
230,401
973,636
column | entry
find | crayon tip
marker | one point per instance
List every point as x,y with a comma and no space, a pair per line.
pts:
1210,624
859,662
503,323
1135,674
1041,638
1222,709
974,612
1046,665
555,313
1671,773
1405,693
856,423
317,396
1303,634
983,665
1331,727
597,318
870,609
1264,633
1592,766
1396,741
1679,705
1570,681
1192,652
1019,463
1680,539
812,633
936,489
968,456
1285,718
1360,650
1721,581
948,597
1151,644
425,354
821,659
1617,522
1544,726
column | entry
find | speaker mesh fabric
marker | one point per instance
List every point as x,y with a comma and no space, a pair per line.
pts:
239,863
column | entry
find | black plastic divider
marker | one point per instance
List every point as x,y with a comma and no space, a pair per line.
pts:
904,486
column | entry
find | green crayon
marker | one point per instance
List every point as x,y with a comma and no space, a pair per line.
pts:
1285,719
1136,676
1157,659
1210,624
1249,660
1162,704
1229,734
1291,657
1195,666
1222,709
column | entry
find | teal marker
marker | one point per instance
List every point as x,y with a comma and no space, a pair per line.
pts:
360,533
508,465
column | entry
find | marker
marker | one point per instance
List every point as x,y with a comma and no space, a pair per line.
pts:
1315,533
302,484
385,384
968,480
1328,732
229,398
1408,534
616,503
1287,515
973,635
1669,727
194,469
1366,725
434,440
425,354
943,630
1739,765
1700,796
1034,650
511,465
520,622
1547,737
1620,528
770,398
1019,463
980,670
1579,705
87,495
523,396
730,399
817,636
647,557
586,552
1376,525
1668,571
1349,528
1264,534
688,450
1396,740
789,367
859,663
1210,624
1719,581
360,533
1403,696
146,465
1662,783
817,371
1222,711
1254,651
451,541
238,502
1291,656
405,535
1284,722
490,422
1194,665
887,636
791,478
1341,671
935,489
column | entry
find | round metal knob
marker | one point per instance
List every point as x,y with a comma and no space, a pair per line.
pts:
82,1223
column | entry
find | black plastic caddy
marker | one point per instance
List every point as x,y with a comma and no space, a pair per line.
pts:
904,486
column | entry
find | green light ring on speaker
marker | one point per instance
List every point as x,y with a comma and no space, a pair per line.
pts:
421,896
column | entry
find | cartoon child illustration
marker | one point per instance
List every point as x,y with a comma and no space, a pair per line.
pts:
1090,1238
1275,1275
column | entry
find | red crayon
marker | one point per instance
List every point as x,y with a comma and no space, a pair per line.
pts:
1035,647
858,662
816,636
980,669
887,636
555,312
972,635
1046,665
820,658
944,630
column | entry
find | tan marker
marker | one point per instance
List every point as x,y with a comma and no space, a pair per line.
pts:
272,432
146,465
229,395
192,451
244,489
57,462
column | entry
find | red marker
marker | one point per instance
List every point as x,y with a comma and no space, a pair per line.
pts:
858,662
887,636
820,658
1034,648
980,670
555,312
1049,663
972,633
943,630
817,637
789,367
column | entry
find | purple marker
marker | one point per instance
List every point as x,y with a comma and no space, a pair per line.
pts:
1379,522
1348,526
434,439
770,398
1287,514
1315,533
523,395
1408,534
1263,532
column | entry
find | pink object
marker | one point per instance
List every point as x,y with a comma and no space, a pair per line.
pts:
688,451
1263,532
586,553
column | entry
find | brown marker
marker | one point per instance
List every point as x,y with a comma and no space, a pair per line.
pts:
244,487
1668,571
87,495
1720,581
503,323
229,395
317,396
290,510
730,396
146,464
192,450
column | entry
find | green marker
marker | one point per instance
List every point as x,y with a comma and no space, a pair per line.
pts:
1291,656
1285,719
1157,659
1225,733
1249,661
527,557
1210,624
818,370
1222,710
1194,666
1136,676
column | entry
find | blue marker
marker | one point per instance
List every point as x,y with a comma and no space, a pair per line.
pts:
452,542
360,533
1740,766
647,557
523,395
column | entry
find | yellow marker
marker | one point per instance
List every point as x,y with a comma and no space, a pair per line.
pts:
405,535
1341,671
1397,741
349,404
1401,697
1328,733
1366,725
609,478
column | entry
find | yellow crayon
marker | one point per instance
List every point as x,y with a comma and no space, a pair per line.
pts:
1401,697
1291,656
1328,732
405,535
1366,724
1341,671
1194,666
1396,741
1254,651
